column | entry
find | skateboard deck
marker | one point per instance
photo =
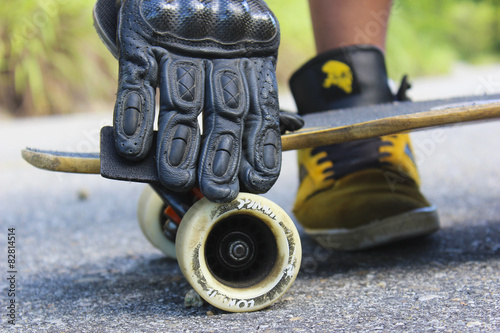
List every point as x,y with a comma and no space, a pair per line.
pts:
63,161
320,129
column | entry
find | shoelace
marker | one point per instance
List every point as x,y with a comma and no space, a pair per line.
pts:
353,156
358,155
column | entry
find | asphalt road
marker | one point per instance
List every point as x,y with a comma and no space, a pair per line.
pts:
82,264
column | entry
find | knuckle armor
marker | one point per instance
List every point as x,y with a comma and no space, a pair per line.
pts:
234,26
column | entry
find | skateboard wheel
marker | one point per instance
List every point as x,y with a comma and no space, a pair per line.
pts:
240,256
150,213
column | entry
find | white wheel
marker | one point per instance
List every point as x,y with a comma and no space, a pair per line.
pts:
240,256
151,219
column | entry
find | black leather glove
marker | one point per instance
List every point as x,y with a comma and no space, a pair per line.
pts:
214,56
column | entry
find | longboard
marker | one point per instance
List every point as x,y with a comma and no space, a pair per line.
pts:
216,244
320,129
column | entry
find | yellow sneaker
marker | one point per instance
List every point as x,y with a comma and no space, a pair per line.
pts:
351,198
364,193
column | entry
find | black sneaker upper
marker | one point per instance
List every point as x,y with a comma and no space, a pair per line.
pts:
342,78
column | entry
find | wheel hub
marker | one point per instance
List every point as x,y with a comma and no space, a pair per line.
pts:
240,251
237,249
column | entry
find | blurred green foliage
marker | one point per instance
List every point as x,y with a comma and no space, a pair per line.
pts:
52,61
428,36
425,36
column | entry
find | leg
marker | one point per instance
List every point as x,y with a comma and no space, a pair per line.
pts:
364,193
339,23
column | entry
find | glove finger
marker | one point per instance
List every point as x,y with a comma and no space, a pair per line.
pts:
178,142
135,104
261,160
290,121
226,105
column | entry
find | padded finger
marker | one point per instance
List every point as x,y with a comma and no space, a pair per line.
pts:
261,160
134,108
290,121
225,110
181,101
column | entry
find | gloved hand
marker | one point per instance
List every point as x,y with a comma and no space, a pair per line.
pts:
214,56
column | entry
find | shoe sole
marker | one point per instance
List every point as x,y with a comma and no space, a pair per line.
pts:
418,222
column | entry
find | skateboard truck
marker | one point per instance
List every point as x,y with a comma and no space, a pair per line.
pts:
114,166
